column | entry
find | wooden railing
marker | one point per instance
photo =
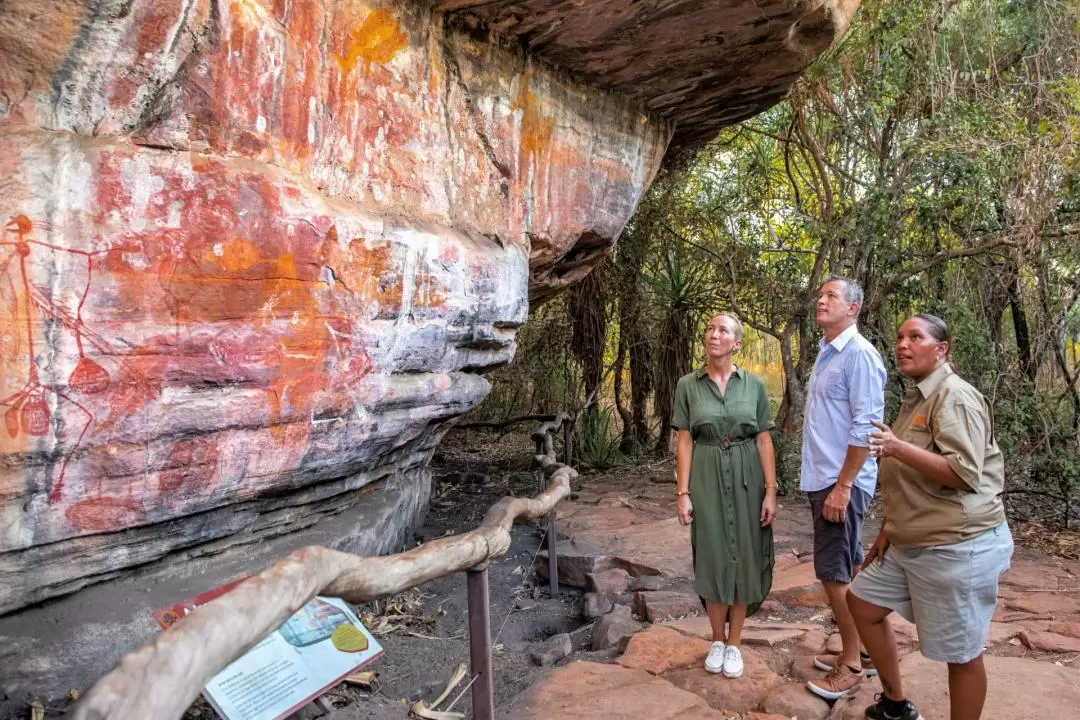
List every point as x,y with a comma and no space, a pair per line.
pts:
161,679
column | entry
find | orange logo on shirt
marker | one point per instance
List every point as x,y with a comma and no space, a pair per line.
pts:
919,422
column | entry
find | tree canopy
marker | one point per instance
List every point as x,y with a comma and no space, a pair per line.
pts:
932,156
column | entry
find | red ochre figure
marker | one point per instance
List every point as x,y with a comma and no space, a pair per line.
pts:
28,409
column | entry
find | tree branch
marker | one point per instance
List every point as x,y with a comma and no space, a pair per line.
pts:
691,243
161,679
939,258
499,424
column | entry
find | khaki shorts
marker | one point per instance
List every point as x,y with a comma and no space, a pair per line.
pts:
948,591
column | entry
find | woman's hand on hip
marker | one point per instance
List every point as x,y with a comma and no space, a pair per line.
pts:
685,509
768,508
877,550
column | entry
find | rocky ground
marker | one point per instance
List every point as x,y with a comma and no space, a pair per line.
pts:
626,638
659,638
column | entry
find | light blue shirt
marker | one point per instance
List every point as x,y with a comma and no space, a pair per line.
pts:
846,391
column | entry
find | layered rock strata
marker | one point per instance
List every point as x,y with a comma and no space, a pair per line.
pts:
256,254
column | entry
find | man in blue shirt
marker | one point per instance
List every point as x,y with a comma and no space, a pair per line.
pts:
846,391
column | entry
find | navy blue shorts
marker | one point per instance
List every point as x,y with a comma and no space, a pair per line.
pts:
838,546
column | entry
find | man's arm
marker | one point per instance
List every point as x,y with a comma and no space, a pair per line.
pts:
866,398
836,504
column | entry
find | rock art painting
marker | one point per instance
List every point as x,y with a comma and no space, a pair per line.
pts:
259,253
256,256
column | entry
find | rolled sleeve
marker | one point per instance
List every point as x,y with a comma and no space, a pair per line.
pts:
680,417
959,436
764,417
866,395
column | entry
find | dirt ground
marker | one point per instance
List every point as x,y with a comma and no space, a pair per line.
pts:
470,473
424,631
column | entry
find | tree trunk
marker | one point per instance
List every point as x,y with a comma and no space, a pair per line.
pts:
673,361
641,386
587,314
628,263
789,415
1020,325
624,414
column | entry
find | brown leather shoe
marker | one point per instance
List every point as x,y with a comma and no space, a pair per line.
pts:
828,662
840,681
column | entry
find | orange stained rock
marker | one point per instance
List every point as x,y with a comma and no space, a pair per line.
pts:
378,39
234,255
56,27
660,649
191,464
371,274
537,129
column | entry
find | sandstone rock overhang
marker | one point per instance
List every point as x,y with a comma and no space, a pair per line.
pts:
699,64
256,256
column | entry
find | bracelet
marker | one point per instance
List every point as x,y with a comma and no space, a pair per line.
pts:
682,492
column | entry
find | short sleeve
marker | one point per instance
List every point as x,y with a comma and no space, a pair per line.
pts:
764,417
960,437
680,418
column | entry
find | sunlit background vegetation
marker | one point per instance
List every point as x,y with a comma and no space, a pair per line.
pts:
931,155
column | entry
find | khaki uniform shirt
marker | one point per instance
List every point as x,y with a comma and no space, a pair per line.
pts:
947,416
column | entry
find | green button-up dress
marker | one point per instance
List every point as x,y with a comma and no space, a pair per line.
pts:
733,554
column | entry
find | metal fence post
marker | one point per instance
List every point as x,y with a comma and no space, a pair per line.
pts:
552,534
483,689
553,561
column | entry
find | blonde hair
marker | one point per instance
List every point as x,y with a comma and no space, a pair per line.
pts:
734,319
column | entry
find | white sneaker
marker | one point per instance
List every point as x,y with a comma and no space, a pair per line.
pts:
714,663
733,664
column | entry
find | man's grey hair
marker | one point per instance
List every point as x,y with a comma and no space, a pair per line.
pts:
852,292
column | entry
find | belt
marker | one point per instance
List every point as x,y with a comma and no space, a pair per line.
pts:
723,442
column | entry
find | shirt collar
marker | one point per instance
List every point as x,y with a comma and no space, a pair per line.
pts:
930,383
702,372
840,341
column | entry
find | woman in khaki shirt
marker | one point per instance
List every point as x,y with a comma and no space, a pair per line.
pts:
944,541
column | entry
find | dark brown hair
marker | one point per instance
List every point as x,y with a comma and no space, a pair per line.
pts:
936,327
939,330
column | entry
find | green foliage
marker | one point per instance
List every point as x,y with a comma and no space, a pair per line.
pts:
933,155
788,450
541,378
599,439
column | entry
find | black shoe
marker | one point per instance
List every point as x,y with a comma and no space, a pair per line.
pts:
886,709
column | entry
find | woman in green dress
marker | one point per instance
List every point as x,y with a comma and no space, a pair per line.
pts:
725,476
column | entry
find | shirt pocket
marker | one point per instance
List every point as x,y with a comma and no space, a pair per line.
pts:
836,387
744,417
920,437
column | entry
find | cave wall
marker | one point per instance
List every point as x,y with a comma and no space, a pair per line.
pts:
255,248
256,256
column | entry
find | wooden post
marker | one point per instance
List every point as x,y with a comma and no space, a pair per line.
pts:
552,535
483,689
568,440
553,561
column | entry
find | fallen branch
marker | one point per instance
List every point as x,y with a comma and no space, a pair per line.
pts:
419,709
500,424
545,444
162,678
